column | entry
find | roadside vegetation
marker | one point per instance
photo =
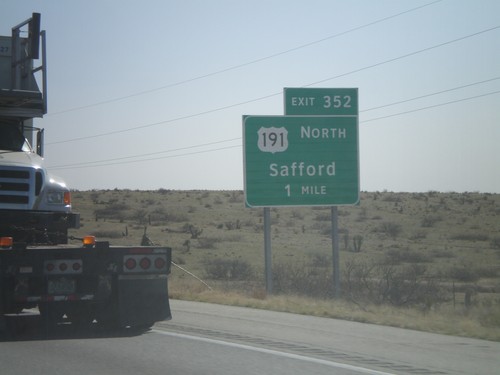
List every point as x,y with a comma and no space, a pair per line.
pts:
426,261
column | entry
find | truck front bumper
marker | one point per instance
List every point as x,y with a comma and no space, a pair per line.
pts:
37,219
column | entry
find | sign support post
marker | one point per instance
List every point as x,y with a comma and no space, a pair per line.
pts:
267,251
335,252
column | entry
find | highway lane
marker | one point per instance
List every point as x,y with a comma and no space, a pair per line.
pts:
382,348
213,339
64,350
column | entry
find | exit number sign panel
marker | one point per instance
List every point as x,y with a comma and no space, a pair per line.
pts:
321,101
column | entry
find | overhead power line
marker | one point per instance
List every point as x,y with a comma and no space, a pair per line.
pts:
280,93
432,106
361,111
406,55
162,122
108,162
154,153
104,163
431,94
234,67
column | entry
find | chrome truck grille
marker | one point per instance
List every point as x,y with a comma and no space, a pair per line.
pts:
19,187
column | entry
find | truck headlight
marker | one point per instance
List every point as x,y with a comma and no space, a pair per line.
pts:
55,197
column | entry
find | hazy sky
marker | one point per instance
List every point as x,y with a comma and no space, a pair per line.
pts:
150,94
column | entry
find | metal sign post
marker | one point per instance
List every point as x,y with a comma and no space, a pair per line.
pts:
267,251
335,252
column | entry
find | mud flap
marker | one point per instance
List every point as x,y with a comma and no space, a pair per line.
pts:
143,301
3,320
3,323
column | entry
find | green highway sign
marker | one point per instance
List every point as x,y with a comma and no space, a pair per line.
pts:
321,101
301,160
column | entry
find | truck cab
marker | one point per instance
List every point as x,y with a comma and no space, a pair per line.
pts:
35,206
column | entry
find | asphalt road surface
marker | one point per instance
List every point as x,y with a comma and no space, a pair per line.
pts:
212,339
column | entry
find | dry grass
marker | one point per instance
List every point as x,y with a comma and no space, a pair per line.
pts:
454,237
445,320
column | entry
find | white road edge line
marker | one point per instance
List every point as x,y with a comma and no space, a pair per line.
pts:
275,352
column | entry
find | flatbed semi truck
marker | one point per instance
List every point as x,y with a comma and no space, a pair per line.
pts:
91,282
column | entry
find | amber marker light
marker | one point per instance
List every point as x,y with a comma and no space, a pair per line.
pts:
67,198
89,241
6,242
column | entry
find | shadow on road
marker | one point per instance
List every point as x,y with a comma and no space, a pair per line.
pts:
29,327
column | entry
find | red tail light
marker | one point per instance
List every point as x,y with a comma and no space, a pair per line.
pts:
145,263
160,263
63,266
130,263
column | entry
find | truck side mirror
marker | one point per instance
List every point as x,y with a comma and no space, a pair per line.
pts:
39,142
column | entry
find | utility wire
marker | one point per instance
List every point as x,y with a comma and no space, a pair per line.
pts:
80,165
152,153
163,122
432,106
235,139
279,93
245,64
108,162
432,94
406,55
